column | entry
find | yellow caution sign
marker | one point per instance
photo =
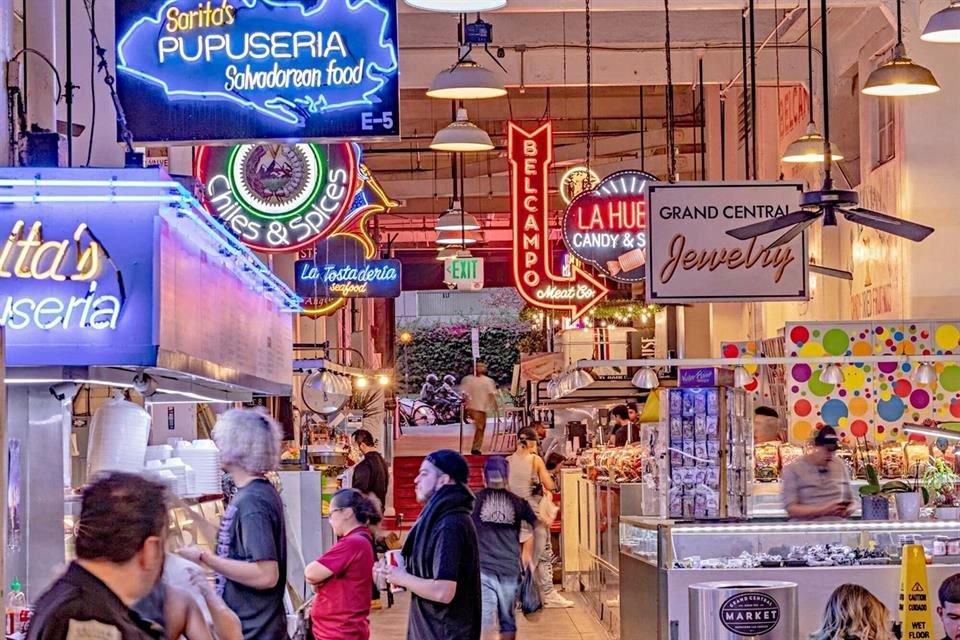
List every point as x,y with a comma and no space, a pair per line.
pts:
916,617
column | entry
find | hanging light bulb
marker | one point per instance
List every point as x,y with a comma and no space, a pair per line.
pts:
461,136
456,219
808,148
944,25
581,379
466,80
741,377
833,374
901,76
645,378
926,373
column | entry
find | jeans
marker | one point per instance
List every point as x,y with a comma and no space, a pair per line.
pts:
543,557
499,598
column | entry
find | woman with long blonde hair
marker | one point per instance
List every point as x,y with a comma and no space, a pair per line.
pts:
853,613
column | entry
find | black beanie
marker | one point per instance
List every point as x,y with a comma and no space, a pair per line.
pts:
451,463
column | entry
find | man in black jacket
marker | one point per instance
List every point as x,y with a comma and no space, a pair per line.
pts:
371,475
441,557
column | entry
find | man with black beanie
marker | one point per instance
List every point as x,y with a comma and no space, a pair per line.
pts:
441,559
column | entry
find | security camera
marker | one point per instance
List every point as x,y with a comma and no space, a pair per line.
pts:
64,390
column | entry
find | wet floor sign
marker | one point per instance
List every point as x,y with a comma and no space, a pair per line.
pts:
916,618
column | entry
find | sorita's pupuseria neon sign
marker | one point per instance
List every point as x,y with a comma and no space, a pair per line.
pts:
26,255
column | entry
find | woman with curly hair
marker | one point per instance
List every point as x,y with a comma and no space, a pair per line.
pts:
853,613
251,557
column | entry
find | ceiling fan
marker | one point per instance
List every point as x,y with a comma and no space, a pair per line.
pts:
828,202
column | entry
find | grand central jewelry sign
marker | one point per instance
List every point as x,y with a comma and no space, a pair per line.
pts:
192,70
692,259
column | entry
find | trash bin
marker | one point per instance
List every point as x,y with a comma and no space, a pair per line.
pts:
732,610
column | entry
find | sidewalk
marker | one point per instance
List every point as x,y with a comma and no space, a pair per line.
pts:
575,623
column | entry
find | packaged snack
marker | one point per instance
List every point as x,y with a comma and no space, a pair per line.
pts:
676,475
891,460
676,428
700,477
689,451
700,427
866,457
789,453
713,427
766,462
689,479
700,403
699,505
676,456
713,402
918,458
689,428
713,504
700,451
713,478
688,507
713,451
676,400
675,502
688,404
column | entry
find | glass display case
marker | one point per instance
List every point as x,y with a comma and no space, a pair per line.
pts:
661,559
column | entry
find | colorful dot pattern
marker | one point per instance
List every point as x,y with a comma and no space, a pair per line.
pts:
875,399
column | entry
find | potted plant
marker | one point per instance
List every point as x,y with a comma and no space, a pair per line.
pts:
941,481
875,498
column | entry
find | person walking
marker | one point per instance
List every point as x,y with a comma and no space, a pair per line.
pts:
441,562
498,515
530,480
481,396
371,475
120,552
853,613
343,577
251,557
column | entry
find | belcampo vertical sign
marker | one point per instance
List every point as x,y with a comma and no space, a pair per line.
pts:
191,70
530,156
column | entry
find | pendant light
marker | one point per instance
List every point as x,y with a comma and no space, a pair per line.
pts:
926,373
645,378
900,76
944,25
833,374
457,6
461,136
455,219
446,252
467,80
808,148
581,379
458,238
741,377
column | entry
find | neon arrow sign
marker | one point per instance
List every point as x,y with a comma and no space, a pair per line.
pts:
530,156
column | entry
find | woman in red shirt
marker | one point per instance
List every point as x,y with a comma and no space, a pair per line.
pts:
343,577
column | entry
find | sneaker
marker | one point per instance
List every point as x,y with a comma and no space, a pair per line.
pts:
476,452
554,600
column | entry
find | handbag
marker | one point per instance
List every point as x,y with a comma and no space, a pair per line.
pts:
531,601
547,510
304,629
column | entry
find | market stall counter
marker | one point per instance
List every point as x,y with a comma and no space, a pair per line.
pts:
661,559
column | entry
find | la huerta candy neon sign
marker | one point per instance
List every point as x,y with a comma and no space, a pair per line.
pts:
289,63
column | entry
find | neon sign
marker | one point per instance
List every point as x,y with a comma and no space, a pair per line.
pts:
27,256
530,156
606,226
268,68
339,268
278,197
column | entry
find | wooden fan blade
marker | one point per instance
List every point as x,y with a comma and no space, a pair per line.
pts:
829,272
887,224
775,224
792,233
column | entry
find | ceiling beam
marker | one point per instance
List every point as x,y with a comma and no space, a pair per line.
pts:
577,6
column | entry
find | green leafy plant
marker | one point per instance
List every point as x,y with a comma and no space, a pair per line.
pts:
887,489
941,481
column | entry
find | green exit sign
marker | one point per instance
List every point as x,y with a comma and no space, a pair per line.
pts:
465,273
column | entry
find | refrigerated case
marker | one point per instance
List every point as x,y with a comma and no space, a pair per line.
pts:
661,559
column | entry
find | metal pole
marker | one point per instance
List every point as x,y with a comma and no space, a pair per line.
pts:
746,105
643,132
753,85
825,70
723,138
703,125
69,87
